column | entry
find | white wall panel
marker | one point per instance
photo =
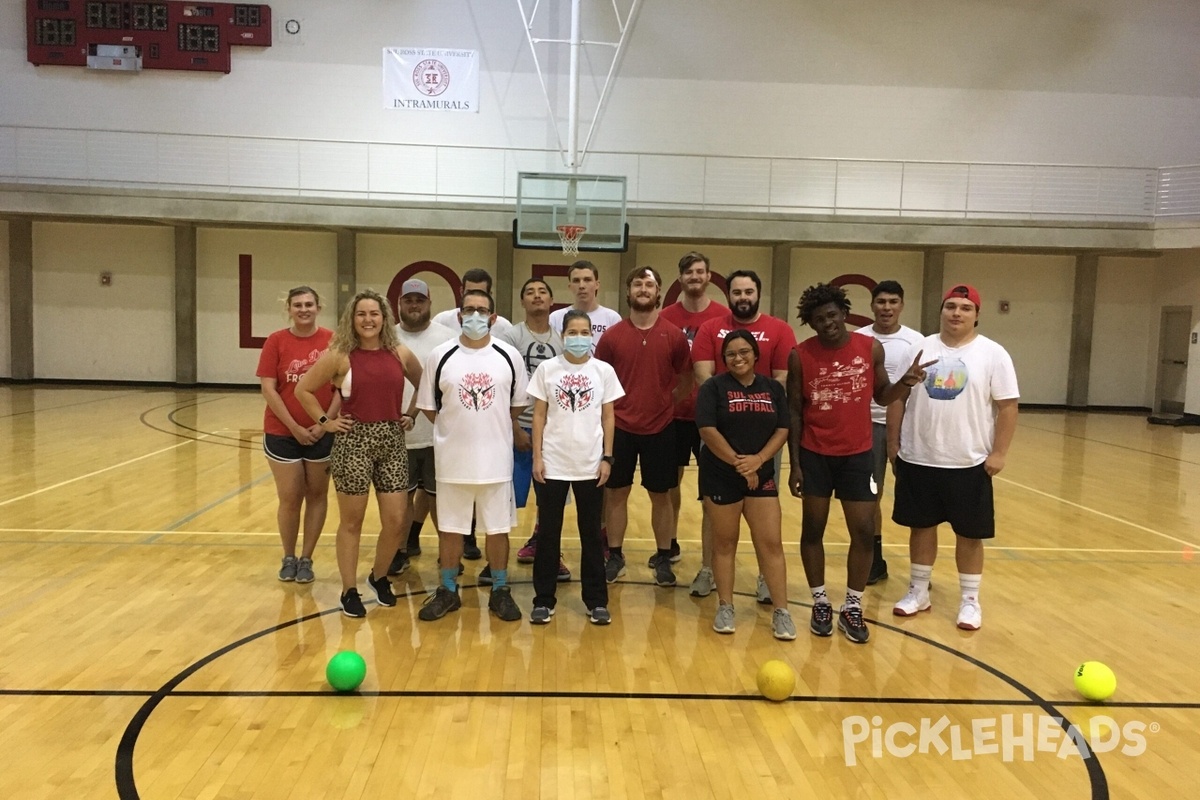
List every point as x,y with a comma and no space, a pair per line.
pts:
122,157
8,152
740,183
803,185
193,160
400,169
669,180
52,154
334,166
265,163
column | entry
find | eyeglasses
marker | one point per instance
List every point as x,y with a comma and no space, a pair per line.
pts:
734,354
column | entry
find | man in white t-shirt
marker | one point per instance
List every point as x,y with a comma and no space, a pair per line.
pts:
887,303
474,393
420,334
584,279
481,280
948,439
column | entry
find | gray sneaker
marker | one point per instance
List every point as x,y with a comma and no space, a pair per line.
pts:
439,604
703,584
663,575
287,572
304,571
502,604
782,625
614,567
723,622
599,616
762,593
541,615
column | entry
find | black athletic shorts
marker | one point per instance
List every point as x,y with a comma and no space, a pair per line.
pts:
657,454
929,496
878,456
687,442
847,477
421,471
721,484
286,450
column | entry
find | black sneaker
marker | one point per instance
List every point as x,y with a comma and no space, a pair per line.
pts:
821,622
675,554
471,551
439,604
413,547
383,590
878,572
850,622
352,604
502,605
399,563
663,575
614,567
485,576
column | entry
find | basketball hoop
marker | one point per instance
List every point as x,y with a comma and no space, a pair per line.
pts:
570,235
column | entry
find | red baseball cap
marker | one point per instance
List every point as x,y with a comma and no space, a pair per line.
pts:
963,290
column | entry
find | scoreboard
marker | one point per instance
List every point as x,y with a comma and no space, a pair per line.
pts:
135,35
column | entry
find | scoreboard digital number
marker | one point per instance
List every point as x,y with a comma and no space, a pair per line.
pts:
162,35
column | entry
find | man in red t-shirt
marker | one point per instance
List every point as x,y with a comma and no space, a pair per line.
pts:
692,310
650,357
832,379
774,336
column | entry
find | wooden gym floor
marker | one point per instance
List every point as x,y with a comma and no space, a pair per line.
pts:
150,652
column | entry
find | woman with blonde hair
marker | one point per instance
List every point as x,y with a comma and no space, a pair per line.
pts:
368,364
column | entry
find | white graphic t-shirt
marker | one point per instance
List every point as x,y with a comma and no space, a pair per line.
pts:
422,343
472,434
602,319
895,345
575,394
950,419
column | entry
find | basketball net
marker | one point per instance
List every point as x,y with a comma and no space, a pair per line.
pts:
570,235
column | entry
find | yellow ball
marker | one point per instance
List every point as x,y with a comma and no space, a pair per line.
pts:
1095,681
776,680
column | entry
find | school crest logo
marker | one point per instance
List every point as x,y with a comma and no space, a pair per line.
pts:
477,391
574,393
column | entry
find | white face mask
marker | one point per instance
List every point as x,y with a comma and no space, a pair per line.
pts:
476,326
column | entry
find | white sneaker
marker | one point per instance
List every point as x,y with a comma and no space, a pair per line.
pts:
970,615
913,602
761,593
703,584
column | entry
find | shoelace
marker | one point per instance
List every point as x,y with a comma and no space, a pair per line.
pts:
855,615
823,612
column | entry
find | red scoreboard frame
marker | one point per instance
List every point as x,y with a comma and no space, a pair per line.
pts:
168,35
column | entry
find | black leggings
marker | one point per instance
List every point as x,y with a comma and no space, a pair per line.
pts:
551,501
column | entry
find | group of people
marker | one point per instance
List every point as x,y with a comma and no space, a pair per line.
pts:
459,415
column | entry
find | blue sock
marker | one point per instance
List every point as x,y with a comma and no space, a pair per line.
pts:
450,579
499,578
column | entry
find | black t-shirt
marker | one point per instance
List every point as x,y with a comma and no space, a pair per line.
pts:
747,416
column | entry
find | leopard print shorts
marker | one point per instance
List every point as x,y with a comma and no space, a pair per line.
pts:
371,453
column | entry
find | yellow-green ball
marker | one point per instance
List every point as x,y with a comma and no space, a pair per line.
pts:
1095,681
776,680
345,671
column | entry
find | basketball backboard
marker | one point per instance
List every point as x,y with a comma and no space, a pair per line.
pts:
549,204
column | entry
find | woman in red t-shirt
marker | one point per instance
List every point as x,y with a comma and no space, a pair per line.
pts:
296,447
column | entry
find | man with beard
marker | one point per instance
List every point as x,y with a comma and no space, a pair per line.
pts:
651,359
419,334
775,340
692,310
584,279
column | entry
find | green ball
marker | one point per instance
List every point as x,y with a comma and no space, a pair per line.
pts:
346,671
1095,681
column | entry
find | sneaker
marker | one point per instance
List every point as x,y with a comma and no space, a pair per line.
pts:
614,568
287,571
383,590
761,593
675,554
413,547
304,571
439,604
652,561
528,551
850,622
502,605
471,551
599,616
914,601
485,576
821,622
723,622
703,584
878,572
541,615
970,615
399,563
663,575
352,604
782,625
564,574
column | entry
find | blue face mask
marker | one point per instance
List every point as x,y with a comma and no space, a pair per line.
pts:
578,346
475,326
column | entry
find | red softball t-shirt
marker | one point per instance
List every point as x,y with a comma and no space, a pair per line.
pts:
648,364
285,357
774,336
690,323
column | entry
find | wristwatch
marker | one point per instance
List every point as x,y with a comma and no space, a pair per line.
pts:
321,420
607,459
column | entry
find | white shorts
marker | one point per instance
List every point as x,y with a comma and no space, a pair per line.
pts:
493,506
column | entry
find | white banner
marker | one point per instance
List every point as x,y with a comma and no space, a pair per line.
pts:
431,79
